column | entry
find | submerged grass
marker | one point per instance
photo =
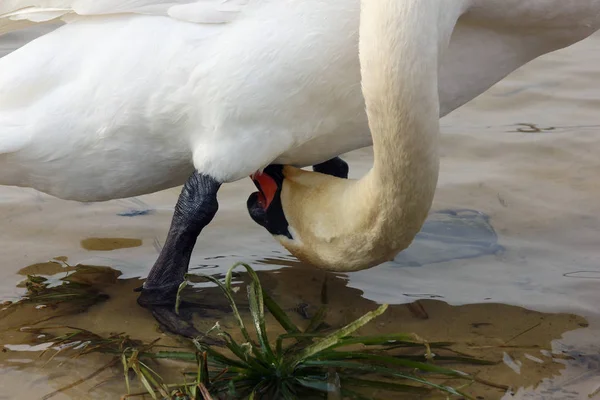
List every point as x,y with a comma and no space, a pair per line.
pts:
311,363
69,290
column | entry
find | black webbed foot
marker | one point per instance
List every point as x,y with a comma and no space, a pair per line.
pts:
179,324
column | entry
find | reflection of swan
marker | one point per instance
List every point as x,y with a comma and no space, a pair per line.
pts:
116,103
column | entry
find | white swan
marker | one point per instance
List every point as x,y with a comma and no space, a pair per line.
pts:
131,97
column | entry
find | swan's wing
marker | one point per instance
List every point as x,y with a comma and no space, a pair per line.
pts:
17,14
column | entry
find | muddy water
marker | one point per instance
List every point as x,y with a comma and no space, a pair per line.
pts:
519,265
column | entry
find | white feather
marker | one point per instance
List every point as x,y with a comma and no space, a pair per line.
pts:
16,14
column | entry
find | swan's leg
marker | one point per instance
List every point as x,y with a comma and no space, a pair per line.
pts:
334,167
196,207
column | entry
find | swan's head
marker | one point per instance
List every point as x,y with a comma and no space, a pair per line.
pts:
265,206
321,219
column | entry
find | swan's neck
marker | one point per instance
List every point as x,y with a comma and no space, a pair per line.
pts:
398,56
400,45
351,225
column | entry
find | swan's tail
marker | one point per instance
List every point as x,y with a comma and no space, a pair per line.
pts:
18,14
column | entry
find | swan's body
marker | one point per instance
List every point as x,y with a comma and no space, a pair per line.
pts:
111,106
117,106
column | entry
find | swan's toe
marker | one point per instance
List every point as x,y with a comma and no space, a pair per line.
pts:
180,324
161,303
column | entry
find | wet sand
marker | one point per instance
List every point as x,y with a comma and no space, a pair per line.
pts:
537,184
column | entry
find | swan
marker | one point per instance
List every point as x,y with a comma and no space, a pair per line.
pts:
131,97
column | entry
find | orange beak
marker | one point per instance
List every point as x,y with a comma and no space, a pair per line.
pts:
267,187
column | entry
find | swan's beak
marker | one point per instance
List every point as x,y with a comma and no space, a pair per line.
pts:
269,183
265,206
267,187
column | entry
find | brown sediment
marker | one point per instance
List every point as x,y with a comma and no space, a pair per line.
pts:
47,268
109,244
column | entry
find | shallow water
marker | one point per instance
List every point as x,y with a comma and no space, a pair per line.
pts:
536,187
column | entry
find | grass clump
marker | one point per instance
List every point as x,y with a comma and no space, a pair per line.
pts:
299,364
313,363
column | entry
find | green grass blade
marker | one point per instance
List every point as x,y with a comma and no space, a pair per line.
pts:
203,376
317,319
240,351
381,340
214,356
255,363
145,366
348,365
335,337
204,391
455,359
257,309
258,316
171,355
301,339
395,361
302,335
287,392
126,372
228,293
432,345
280,315
220,358
389,386
144,380
189,388
467,360
315,384
231,389
182,286
154,378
